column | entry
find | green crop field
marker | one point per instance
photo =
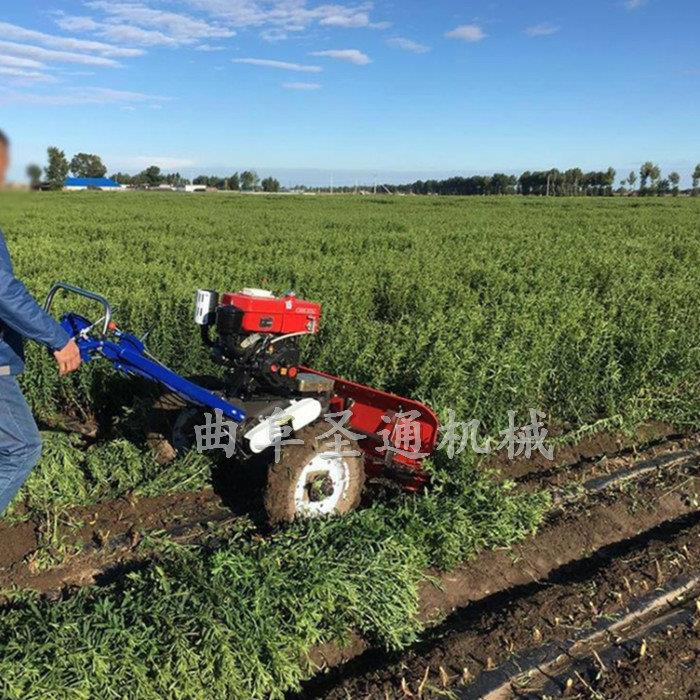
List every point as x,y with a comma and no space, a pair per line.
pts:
586,309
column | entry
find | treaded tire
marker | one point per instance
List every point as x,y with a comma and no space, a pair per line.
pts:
282,502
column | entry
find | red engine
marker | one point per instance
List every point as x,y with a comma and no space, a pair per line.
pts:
257,337
261,312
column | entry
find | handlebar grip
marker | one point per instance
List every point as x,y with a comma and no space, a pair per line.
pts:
83,293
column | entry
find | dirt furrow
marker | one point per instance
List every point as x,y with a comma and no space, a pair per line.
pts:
559,475
103,537
661,661
552,669
102,541
589,450
575,547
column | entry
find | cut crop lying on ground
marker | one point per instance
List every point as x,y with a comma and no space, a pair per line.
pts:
238,622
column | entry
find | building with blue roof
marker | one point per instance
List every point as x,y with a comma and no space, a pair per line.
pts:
89,183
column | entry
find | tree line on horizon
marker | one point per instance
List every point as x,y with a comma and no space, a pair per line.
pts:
89,165
571,183
568,183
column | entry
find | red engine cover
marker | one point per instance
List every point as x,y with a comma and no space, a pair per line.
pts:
269,314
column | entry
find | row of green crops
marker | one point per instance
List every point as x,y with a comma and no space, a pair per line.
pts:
584,309
70,475
237,623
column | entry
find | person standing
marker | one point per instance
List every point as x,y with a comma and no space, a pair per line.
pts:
21,317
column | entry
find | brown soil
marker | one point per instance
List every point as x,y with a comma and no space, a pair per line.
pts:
590,448
595,532
559,475
596,659
105,533
670,667
482,646
601,526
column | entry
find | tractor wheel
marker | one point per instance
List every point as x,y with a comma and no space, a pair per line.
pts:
313,479
171,421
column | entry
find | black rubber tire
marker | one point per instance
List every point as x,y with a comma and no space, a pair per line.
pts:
282,478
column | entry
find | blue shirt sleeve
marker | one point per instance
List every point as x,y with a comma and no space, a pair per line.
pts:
19,311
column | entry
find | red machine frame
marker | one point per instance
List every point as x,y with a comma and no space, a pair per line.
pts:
383,418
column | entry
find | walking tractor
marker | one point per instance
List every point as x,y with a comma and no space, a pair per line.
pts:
336,432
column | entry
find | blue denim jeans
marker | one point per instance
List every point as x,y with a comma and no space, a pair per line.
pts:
20,442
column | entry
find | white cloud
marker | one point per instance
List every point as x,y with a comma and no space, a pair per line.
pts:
26,76
79,96
289,15
351,19
38,53
156,26
282,65
350,55
208,48
634,4
73,23
135,23
127,33
14,32
301,86
543,29
16,62
273,35
467,32
399,42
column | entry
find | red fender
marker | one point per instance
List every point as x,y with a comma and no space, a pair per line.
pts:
399,433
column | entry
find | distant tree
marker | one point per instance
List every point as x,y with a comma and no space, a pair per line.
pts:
234,182
572,181
201,180
87,165
175,180
57,169
662,187
696,179
34,173
608,180
151,176
269,184
674,178
122,178
647,172
502,184
632,179
249,180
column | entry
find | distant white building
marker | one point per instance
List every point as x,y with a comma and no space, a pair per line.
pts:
195,188
75,184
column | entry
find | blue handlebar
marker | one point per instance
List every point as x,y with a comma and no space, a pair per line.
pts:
128,355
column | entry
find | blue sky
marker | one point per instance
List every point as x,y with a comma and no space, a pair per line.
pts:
302,89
